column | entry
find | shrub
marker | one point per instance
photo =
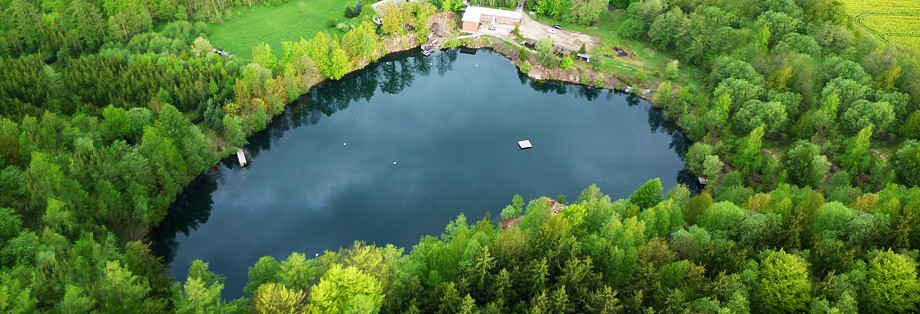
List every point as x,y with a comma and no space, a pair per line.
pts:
525,67
672,70
599,81
566,62
452,43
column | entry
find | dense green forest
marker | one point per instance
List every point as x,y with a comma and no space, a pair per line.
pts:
794,92
790,250
808,131
108,109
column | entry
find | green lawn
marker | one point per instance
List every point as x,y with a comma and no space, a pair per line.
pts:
648,59
246,27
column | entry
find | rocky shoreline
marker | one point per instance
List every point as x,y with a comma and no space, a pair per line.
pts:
573,75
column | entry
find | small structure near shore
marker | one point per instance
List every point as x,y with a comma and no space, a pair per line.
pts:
555,209
562,52
241,157
427,49
525,144
584,56
222,52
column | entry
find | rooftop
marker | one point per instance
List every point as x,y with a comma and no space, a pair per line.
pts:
473,13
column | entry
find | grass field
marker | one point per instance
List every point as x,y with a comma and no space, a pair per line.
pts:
246,27
647,58
896,21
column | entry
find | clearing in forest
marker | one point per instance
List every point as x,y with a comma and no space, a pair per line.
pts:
643,61
896,21
246,27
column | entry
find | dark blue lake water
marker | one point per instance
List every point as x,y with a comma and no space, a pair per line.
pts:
395,151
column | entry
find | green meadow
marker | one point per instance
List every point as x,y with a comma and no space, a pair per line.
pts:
647,58
244,27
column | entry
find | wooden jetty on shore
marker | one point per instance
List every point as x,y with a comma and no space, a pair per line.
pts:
241,157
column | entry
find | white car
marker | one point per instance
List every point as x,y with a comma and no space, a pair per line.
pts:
551,30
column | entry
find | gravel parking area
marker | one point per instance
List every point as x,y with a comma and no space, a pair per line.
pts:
567,39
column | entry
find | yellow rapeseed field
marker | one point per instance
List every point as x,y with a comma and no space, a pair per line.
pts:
896,21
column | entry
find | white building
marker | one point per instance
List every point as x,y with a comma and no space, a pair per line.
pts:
474,16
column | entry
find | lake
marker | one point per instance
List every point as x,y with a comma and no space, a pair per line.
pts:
397,150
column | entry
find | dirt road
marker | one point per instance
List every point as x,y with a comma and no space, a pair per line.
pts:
567,39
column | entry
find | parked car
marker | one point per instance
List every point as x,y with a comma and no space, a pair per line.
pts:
551,30
557,26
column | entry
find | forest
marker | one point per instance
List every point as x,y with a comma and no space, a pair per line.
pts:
790,250
807,129
792,92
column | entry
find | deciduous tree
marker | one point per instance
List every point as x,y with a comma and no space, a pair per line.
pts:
346,290
892,284
784,284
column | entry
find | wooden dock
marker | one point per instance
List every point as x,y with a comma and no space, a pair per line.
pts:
241,157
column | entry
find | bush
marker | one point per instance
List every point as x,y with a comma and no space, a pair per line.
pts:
452,43
510,212
331,22
696,155
907,162
911,129
525,67
545,54
566,62
632,29
599,81
648,195
671,71
712,166
641,76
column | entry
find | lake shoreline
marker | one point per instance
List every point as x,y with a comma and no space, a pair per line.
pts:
349,184
408,42
576,76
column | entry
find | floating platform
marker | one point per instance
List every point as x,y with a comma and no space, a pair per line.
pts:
241,157
525,144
